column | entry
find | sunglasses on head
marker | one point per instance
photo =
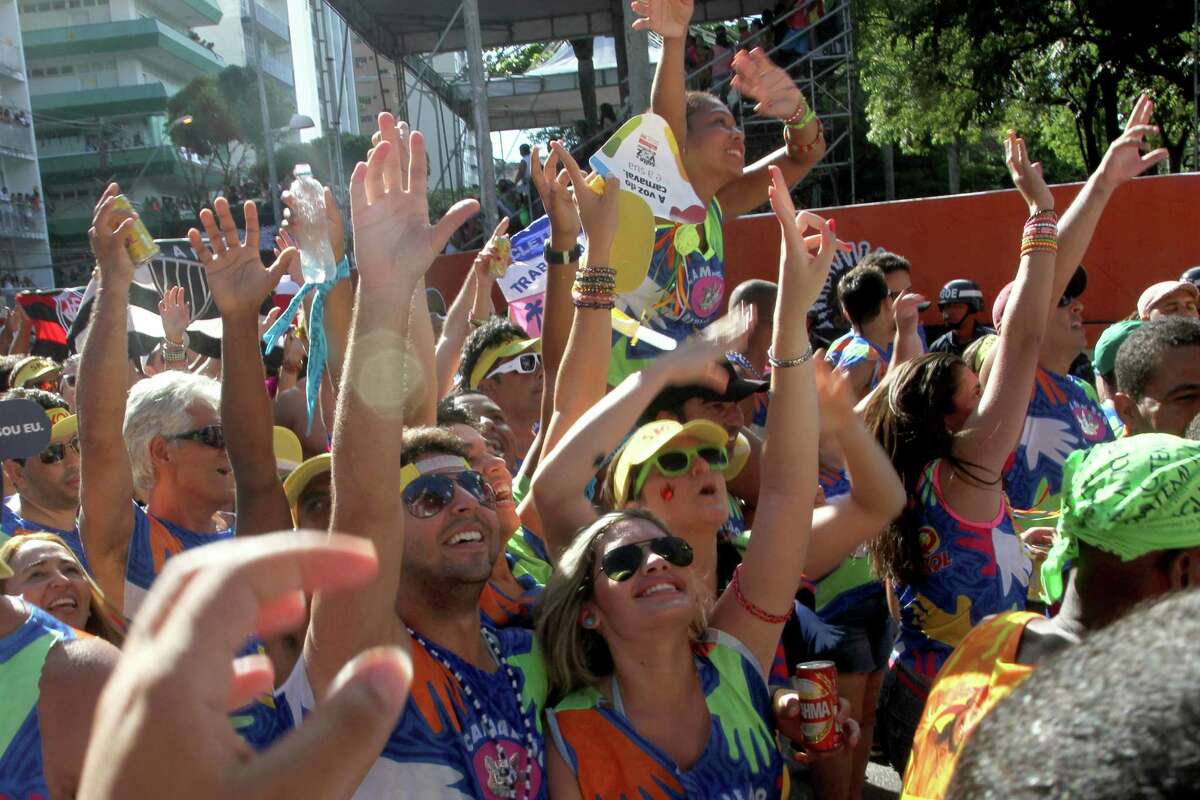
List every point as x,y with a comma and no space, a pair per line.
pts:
210,436
622,563
57,452
678,461
428,495
523,364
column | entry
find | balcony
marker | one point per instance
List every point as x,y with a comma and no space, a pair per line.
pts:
10,62
278,69
159,42
21,222
111,101
268,21
15,140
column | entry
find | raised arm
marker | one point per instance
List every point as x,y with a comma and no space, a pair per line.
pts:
176,316
876,492
992,432
668,96
106,476
393,245
463,310
1123,160
564,475
771,571
239,283
778,96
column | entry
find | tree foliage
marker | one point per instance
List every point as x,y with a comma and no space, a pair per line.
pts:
1066,71
504,62
226,124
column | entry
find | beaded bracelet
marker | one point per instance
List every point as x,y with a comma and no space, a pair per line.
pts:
804,148
784,363
765,616
801,116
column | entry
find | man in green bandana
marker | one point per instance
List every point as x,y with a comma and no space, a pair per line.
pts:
1130,518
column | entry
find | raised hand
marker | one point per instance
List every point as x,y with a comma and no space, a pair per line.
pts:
176,677
790,723
700,359
236,277
554,187
394,243
758,77
597,210
493,259
333,215
1027,175
835,394
1124,158
811,269
906,310
667,18
175,314
110,235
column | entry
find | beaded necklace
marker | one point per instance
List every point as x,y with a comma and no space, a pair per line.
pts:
502,781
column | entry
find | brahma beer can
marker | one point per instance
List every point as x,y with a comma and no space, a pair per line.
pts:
816,683
142,246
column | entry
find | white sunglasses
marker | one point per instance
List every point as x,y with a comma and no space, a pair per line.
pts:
523,364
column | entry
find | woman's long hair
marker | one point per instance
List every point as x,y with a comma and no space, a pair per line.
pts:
103,620
577,657
907,416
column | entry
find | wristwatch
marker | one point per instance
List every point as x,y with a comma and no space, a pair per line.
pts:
562,256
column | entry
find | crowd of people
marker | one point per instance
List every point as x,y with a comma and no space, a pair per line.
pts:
12,115
480,564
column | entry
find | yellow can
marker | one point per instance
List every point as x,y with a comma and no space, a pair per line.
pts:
142,246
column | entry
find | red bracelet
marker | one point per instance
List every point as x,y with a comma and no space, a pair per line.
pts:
736,585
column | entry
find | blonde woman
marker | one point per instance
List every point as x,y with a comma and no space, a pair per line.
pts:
47,574
652,699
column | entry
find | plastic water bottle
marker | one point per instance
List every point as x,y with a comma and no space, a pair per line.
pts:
316,254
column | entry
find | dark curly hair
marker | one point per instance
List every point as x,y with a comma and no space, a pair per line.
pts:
494,331
907,416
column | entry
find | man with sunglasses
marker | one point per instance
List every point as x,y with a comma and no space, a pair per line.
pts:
1064,413
500,361
471,727
161,442
70,372
47,498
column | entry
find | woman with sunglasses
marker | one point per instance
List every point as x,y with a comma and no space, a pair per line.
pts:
651,698
47,574
952,557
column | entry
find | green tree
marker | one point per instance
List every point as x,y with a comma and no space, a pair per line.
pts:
226,124
939,69
503,62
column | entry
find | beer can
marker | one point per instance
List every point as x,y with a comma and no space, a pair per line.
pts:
816,683
142,246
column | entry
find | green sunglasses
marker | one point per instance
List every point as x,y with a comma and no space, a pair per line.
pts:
678,461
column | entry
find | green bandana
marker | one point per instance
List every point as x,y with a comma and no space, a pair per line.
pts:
1134,496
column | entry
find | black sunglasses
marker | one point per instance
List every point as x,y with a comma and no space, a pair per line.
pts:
1065,301
622,563
57,452
210,436
429,495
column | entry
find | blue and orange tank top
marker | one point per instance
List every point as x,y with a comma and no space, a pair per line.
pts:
154,541
1064,416
23,654
442,746
970,570
611,760
13,524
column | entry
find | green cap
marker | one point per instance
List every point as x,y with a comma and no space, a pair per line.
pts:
1134,496
1104,359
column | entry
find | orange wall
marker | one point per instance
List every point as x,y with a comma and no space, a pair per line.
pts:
1149,232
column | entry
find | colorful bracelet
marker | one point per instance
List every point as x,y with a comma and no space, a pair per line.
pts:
753,610
801,116
804,148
